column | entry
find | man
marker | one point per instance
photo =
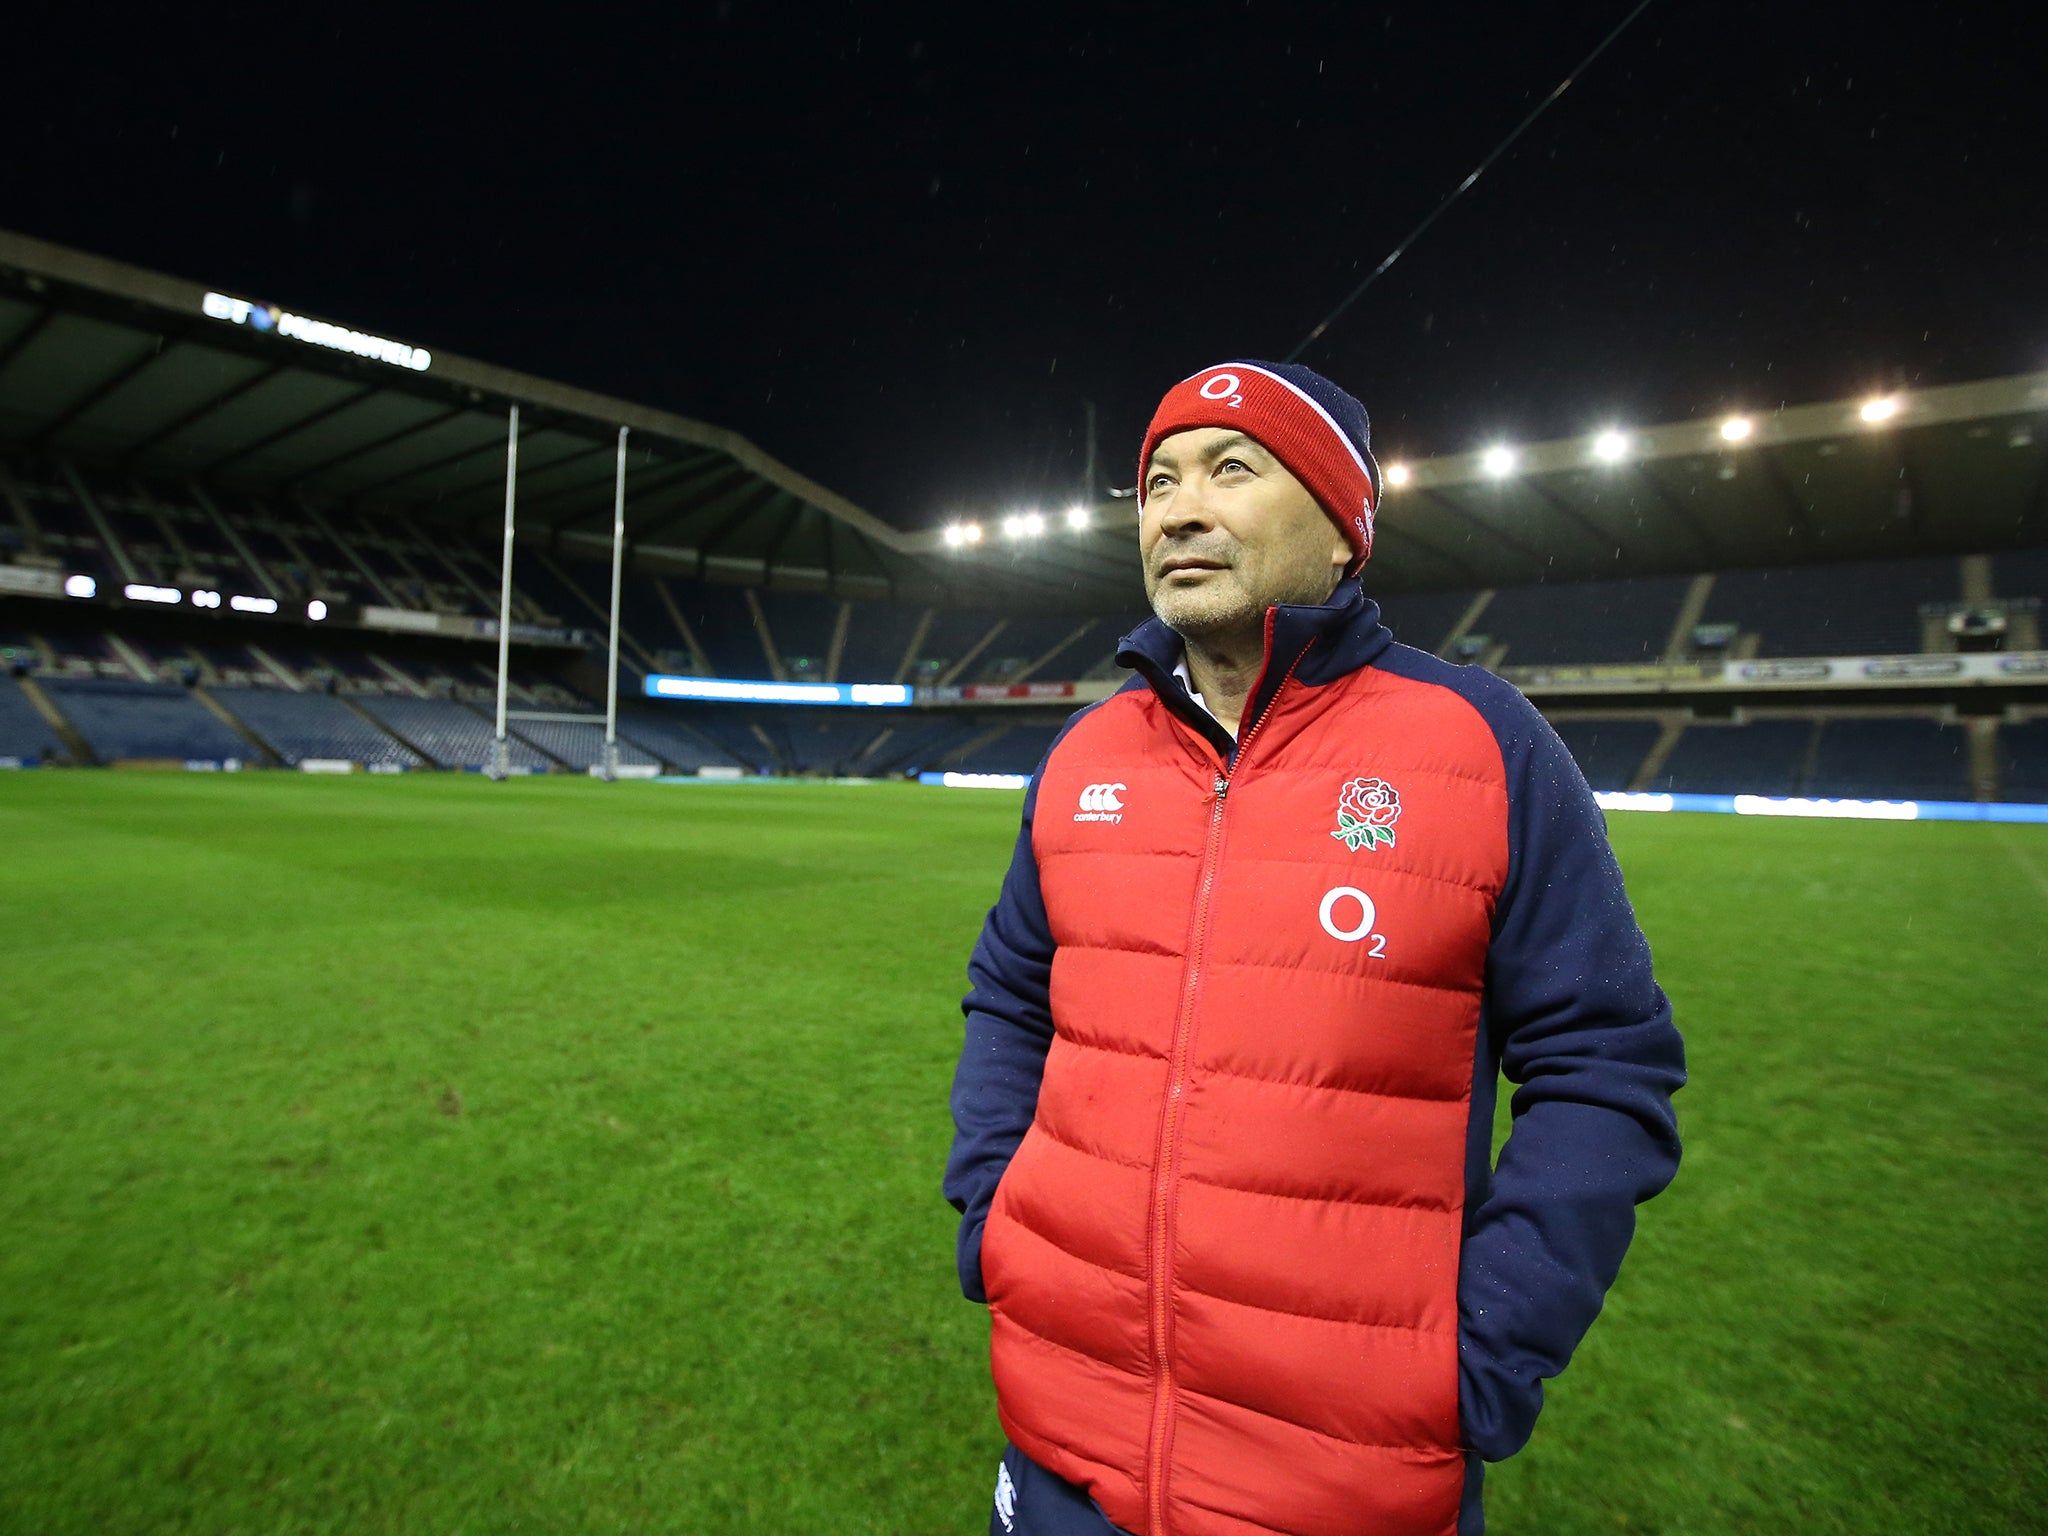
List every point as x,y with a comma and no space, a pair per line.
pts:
1281,910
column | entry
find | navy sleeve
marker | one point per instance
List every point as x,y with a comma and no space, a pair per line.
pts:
1009,1031
1576,1020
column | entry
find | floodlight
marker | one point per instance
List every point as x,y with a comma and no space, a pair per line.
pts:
1611,445
1397,474
1013,527
204,599
1882,408
955,535
1498,460
1736,428
80,586
1077,517
1034,524
316,610
970,533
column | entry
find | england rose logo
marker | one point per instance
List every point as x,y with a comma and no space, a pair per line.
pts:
1366,812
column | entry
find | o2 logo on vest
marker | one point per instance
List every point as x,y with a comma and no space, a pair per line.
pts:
1338,904
1224,387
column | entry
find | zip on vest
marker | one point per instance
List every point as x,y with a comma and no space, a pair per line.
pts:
1166,1165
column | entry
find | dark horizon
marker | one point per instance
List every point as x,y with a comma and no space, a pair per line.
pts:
900,254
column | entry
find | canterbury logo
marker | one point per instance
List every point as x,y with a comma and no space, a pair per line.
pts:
1102,797
1102,802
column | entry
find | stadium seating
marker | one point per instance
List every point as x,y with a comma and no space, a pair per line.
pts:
579,745
672,739
1900,759
452,734
1019,749
1869,608
2023,761
1421,619
132,720
914,742
724,627
1582,623
1609,752
877,635
297,726
1764,757
802,624
25,736
2020,573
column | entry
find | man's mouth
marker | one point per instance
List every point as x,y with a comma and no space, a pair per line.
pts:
1189,563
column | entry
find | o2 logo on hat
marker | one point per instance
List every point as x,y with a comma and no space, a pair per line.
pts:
1224,387
1326,914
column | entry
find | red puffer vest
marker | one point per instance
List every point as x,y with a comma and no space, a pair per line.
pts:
1223,1264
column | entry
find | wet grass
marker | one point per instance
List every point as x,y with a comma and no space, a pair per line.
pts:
427,1155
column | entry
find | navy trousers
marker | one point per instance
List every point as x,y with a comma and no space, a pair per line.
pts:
1031,1501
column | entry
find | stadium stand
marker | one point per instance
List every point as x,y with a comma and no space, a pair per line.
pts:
1584,622
453,735
1609,751
1862,609
1763,757
25,736
801,624
2020,573
144,721
1018,749
2023,760
950,640
724,626
877,635
674,741
810,587
1898,759
297,726
1424,619
908,745
580,745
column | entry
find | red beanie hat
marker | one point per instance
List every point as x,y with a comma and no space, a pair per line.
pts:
1317,430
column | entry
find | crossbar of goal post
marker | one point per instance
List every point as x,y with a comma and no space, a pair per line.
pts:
611,674
501,748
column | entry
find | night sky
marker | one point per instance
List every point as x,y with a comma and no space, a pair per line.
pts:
900,245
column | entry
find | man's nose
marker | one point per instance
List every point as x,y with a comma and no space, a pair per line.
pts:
1186,512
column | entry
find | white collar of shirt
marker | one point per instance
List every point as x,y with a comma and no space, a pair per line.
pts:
1180,670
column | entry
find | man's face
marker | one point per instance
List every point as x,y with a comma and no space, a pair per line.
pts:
1228,532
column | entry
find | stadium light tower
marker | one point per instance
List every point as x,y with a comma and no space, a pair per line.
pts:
1397,474
1611,446
1736,428
1077,518
1880,409
1499,460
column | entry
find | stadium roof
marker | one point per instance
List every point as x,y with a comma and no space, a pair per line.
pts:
162,377
114,364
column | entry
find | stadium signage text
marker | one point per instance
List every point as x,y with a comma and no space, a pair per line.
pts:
317,333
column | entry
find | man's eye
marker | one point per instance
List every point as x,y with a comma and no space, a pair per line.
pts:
1229,464
1157,481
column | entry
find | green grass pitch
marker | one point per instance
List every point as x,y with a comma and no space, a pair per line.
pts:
427,1155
